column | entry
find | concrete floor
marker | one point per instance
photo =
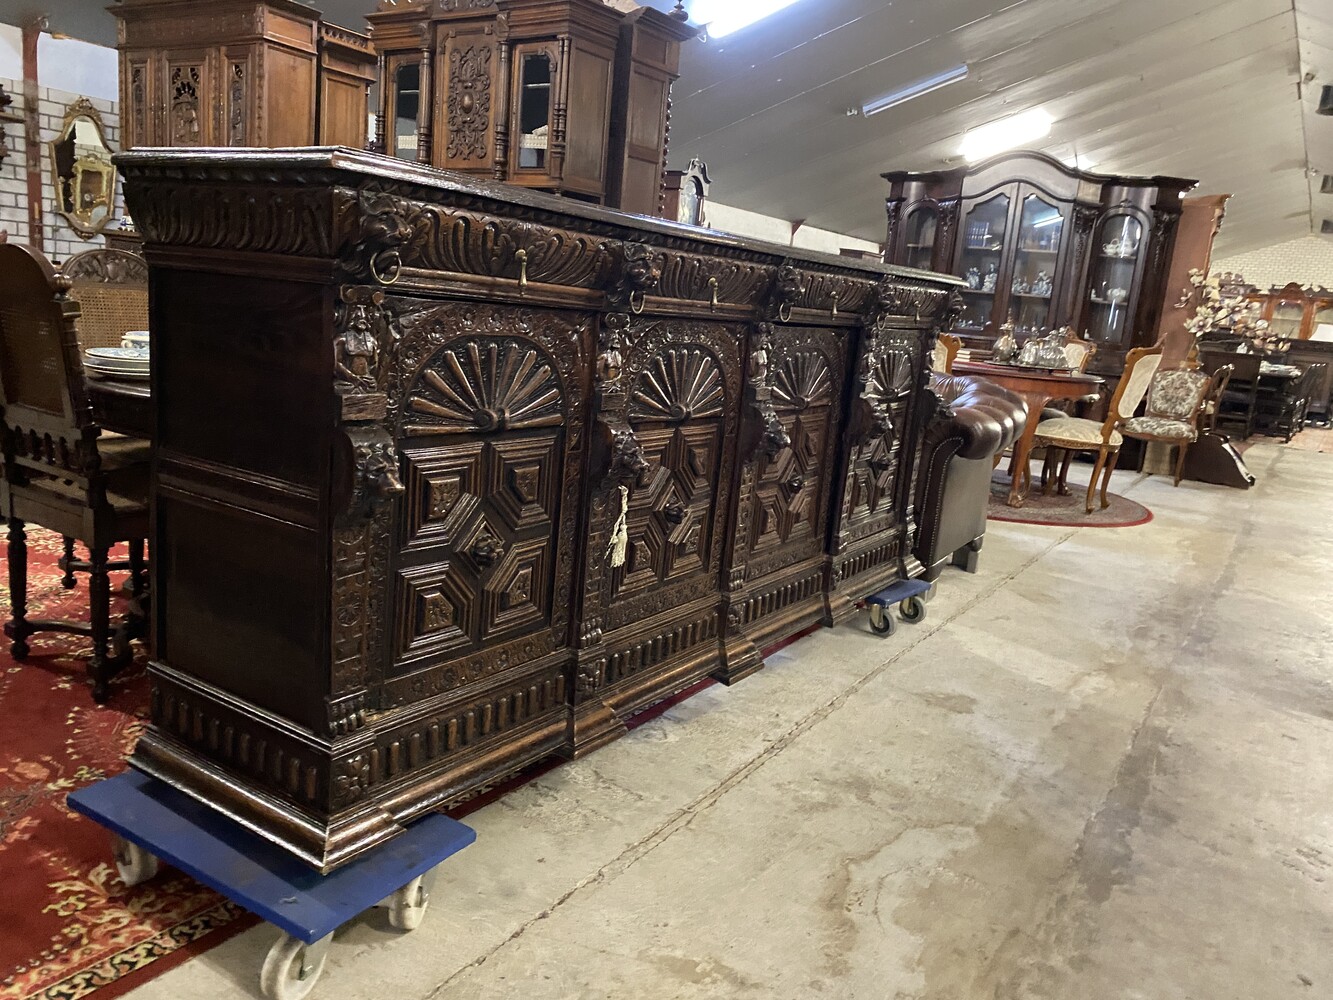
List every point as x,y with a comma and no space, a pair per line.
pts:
1100,769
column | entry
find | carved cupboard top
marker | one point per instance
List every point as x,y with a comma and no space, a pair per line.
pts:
1042,245
240,73
570,96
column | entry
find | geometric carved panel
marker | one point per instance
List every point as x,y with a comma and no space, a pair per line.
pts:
436,609
443,487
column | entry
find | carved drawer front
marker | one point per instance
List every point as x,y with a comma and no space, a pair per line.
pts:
788,516
677,409
483,460
875,467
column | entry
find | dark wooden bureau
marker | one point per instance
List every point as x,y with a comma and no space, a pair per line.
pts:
452,476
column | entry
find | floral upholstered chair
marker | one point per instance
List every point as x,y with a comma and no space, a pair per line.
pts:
1175,399
1074,434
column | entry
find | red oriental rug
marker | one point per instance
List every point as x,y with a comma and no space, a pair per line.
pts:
69,924
1070,511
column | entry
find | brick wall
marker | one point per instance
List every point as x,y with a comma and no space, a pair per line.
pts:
1307,261
13,186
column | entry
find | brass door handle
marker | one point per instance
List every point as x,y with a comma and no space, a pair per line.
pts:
487,551
674,512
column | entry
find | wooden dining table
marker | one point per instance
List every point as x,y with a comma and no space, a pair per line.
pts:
125,407
1038,387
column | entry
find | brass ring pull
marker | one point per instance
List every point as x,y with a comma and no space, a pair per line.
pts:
637,308
712,283
397,263
835,306
784,312
522,257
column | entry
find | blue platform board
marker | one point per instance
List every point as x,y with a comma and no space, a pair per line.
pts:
900,591
254,873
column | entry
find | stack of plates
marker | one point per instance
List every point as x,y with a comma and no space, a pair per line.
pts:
116,363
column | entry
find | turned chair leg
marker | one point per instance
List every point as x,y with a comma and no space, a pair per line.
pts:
137,576
1106,477
1181,450
1096,471
99,617
1062,486
1048,471
67,581
17,626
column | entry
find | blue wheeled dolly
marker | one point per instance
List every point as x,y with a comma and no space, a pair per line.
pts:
910,597
150,820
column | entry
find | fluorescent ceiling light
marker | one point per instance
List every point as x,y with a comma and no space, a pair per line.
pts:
722,17
1006,133
926,86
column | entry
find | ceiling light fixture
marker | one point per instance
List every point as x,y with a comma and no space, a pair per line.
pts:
1006,133
918,89
722,17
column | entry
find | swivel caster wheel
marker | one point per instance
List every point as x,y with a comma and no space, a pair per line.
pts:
292,968
912,610
881,623
134,864
408,906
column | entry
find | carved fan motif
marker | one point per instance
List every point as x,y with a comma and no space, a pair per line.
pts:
678,385
893,373
486,385
801,381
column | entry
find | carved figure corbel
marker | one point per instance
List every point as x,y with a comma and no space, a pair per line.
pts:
871,416
363,326
369,471
772,437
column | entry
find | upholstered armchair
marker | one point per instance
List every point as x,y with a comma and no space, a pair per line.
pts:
977,421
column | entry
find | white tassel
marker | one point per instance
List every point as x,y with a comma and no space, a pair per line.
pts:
620,534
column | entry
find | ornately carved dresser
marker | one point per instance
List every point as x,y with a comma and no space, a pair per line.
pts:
452,476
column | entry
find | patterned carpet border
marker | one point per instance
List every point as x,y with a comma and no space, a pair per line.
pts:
1065,512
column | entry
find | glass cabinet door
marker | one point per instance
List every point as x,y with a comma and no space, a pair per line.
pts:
979,264
533,106
1036,253
1321,328
404,106
1286,319
921,226
1116,254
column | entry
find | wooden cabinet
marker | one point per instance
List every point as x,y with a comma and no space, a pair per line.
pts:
1296,312
568,96
240,73
498,471
1042,245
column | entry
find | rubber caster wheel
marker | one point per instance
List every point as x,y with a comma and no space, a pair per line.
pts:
913,610
880,623
409,904
135,865
291,969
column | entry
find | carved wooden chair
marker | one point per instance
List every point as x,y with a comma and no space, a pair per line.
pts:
1239,405
60,471
1075,434
111,288
946,349
1176,398
1212,399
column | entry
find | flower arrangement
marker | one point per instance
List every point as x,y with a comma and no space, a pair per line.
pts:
1221,307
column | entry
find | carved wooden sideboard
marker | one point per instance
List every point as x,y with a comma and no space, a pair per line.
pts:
452,476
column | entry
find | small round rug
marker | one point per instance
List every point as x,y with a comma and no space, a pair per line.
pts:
1065,511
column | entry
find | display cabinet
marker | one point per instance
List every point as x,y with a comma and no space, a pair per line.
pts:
1041,245
241,73
568,96
498,471
1297,312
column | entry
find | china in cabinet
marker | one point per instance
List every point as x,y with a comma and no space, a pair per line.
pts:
1296,312
240,73
1042,245
568,96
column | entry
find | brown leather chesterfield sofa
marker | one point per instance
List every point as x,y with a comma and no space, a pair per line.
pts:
977,422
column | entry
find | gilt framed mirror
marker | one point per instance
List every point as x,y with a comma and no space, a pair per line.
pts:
85,177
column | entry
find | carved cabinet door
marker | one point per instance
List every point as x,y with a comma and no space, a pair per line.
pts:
681,404
788,501
464,117
490,433
186,96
